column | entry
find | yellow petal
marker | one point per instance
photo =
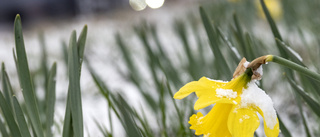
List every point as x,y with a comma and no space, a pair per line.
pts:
256,98
214,124
206,100
203,85
269,131
242,122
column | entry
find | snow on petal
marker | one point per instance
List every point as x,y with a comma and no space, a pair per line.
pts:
254,96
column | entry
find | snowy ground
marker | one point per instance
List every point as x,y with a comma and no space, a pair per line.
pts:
101,50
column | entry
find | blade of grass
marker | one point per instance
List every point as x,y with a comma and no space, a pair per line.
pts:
6,87
240,36
74,86
3,129
129,124
101,129
65,52
67,130
25,79
50,99
8,116
81,43
163,110
273,27
305,124
234,52
182,33
284,130
315,107
21,121
272,24
224,68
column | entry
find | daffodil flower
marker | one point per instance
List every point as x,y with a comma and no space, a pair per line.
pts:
236,106
274,7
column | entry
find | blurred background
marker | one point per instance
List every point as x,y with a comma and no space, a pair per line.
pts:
170,34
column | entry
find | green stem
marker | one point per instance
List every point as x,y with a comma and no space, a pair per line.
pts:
296,67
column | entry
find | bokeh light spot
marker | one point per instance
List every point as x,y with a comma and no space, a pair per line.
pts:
138,5
154,3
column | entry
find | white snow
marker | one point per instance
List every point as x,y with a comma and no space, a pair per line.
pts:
246,64
254,96
240,120
235,51
228,93
217,80
206,135
234,102
294,53
260,70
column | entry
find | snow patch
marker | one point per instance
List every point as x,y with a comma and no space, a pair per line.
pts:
234,102
228,93
294,53
217,80
254,96
246,64
206,135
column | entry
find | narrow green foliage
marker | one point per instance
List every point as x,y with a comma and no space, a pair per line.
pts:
223,66
102,89
6,87
129,124
102,129
67,125
239,36
74,86
305,124
315,106
284,130
81,43
65,52
50,99
44,59
272,24
21,121
8,116
163,110
3,130
182,33
289,52
234,52
25,79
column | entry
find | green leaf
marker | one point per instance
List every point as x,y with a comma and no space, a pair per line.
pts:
272,24
182,33
6,87
315,107
81,43
273,27
67,125
74,86
234,52
240,37
284,131
20,118
25,79
65,52
223,66
8,116
3,130
50,99
129,124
